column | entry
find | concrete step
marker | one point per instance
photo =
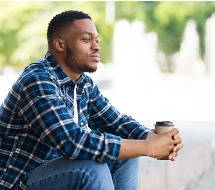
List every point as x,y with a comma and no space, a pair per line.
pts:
205,182
193,160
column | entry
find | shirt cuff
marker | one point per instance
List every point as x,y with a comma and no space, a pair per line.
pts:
111,148
139,132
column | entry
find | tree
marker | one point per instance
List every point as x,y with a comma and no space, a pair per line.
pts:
21,35
24,24
168,19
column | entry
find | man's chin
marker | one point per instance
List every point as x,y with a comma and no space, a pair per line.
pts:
91,68
92,71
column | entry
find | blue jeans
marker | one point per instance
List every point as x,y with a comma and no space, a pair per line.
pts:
65,174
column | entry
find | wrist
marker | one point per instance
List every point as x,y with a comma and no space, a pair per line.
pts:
145,136
146,148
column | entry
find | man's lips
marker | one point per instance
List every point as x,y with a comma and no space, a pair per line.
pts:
95,57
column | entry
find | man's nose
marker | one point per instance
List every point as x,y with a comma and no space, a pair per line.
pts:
95,46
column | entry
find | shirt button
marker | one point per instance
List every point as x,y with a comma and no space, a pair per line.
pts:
82,124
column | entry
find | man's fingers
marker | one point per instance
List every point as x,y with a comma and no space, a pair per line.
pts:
178,147
173,132
176,136
173,159
177,141
173,155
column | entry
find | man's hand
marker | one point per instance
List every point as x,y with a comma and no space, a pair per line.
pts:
176,148
161,146
164,146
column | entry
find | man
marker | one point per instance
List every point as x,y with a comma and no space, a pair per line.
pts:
57,131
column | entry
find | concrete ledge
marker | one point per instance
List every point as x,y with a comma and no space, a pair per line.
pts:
195,158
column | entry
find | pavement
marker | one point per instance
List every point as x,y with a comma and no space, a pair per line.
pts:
194,168
205,182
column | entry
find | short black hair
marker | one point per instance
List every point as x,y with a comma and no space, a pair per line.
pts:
61,21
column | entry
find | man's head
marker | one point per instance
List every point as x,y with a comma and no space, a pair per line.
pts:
61,22
73,41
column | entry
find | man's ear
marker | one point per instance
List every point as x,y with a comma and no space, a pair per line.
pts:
58,44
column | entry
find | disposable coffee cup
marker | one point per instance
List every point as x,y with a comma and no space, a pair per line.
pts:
163,126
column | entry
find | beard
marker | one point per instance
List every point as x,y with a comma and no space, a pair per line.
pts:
81,67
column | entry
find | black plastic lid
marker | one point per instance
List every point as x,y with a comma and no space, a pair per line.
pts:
164,123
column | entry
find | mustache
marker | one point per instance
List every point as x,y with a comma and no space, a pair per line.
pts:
95,53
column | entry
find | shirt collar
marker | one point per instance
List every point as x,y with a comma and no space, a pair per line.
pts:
58,72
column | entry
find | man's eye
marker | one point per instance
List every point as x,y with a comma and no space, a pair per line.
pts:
87,39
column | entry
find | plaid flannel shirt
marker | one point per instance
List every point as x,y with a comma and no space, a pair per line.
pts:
37,125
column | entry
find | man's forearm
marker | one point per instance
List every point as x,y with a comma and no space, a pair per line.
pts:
132,148
155,145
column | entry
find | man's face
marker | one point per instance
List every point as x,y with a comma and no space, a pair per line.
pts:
81,53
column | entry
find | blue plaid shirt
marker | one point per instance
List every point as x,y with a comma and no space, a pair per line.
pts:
37,125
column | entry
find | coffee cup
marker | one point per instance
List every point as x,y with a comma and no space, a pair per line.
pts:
163,126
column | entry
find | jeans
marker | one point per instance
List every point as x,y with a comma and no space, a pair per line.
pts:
65,174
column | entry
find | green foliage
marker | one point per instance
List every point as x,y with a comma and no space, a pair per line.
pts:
24,24
21,35
130,10
168,19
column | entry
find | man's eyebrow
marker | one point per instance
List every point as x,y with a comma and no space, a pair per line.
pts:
90,33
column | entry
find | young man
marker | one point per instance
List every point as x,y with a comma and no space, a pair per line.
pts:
57,131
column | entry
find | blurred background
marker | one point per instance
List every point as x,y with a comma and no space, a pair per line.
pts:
157,63
157,58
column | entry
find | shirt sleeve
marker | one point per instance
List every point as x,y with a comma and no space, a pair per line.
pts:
105,117
45,112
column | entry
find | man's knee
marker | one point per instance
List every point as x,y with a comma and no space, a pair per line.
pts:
98,174
71,174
